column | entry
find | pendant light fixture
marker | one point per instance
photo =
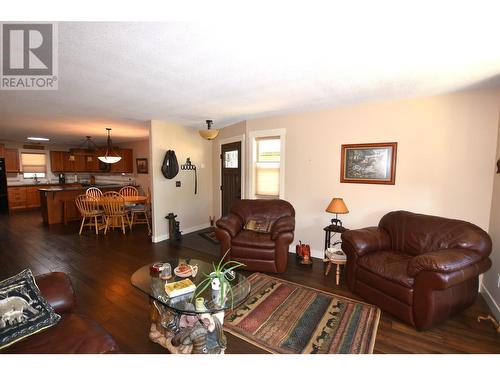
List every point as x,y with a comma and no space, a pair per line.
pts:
210,133
110,157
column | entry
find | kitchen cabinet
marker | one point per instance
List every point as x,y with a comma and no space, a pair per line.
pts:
33,196
80,163
60,162
2,151
56,161
25,197
17,197
91,163
68,164
126,164
12,160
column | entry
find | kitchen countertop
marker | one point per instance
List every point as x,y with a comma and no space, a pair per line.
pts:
42,184
83,187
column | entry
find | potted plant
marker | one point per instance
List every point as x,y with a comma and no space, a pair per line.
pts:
218,279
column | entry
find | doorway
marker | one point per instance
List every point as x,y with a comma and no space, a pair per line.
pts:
231,169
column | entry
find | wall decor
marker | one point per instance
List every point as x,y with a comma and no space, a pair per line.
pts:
170,166
369,163
189,166
141,165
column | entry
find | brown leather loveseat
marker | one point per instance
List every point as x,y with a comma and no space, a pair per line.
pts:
266,252
73,334
420,268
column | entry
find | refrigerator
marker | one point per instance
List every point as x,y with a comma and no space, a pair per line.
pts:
4,202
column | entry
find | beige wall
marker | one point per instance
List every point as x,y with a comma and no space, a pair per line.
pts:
226,135
140,149
490,279
446,153
193,210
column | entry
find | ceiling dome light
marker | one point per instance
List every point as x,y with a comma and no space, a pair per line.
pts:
110,157
40,139
210,133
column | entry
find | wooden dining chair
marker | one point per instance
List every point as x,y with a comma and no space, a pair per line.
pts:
93,192
141,213
129,191
115,212
88,207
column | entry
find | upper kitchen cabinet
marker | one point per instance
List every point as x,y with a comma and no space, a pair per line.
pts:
61,161
126,164
57,161
2,151
11,160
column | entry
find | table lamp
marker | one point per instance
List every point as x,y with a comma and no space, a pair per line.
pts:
337,206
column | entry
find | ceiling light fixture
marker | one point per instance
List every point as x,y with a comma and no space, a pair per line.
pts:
210,133
110,156
41,139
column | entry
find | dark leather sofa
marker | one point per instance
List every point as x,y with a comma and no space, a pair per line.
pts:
266,252
420,268
73,334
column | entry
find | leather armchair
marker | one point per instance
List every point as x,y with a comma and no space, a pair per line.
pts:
420,268
73,334
266,252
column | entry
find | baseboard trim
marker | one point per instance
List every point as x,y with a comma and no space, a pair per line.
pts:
495,309
164,237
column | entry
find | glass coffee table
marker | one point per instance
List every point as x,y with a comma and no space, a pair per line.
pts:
185,324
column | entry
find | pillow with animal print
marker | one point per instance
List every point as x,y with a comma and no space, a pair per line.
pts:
23,310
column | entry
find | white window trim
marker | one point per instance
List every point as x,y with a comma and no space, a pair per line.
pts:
252,158
225,141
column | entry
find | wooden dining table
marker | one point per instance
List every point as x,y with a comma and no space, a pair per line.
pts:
135,199
127,200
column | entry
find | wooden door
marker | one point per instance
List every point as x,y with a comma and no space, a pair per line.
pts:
92,163
17,197
128,160
33,196
12,160
118,166
56,161
230,175
68,164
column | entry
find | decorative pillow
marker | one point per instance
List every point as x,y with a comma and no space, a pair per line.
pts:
258,225
23,310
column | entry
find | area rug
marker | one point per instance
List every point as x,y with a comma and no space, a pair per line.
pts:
210,235
284,317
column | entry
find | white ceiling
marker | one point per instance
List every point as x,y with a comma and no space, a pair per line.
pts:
122,74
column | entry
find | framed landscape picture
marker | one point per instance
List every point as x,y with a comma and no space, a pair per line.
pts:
369,163
142,165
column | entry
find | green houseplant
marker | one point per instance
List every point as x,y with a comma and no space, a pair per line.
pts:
219,276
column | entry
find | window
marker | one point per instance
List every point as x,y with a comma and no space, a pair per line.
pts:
267,167
231,159
33,165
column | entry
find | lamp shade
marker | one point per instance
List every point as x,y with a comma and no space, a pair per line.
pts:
337,206
110,157
209,133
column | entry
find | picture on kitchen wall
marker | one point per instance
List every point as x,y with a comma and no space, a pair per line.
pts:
369,163
142,165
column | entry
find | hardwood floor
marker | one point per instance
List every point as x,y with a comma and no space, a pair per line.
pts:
100,269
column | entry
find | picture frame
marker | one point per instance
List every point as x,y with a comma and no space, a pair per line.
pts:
141,165
369,163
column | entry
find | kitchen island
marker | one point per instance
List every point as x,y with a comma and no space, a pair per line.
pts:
58,203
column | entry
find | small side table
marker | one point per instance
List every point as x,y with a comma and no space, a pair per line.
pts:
338,263
330,232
